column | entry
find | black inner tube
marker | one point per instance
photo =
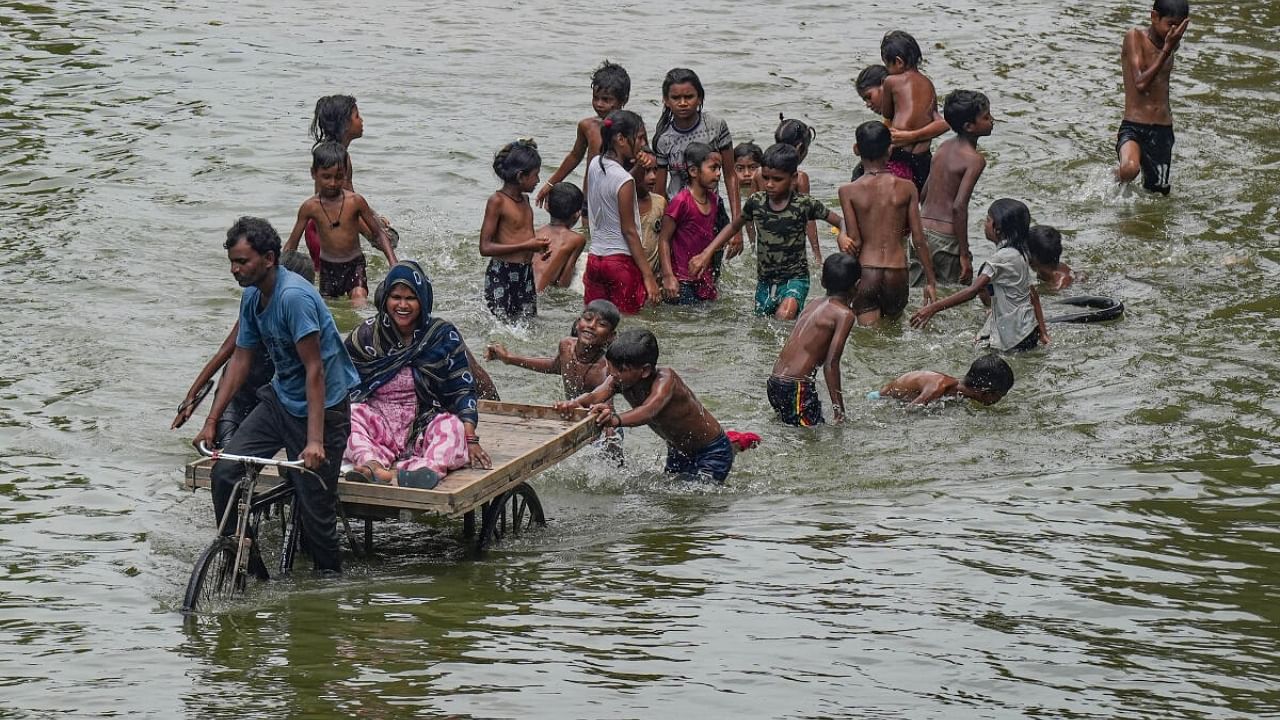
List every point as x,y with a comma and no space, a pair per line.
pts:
1096,308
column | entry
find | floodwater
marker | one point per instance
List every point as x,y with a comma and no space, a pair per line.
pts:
1101,544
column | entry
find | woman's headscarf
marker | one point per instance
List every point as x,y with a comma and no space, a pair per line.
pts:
441,374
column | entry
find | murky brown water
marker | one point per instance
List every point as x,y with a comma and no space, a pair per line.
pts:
1100,544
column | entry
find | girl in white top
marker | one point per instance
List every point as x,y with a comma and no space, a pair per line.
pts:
613,212
1016,321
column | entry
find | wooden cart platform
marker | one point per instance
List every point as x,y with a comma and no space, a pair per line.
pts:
522,440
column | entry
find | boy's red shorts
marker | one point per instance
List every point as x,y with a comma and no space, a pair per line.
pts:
615,278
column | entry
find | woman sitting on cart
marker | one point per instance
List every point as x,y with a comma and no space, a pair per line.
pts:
413,415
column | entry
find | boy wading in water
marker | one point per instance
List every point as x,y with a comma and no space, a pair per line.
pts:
819,338
879,209
944,204
1145,140
696,444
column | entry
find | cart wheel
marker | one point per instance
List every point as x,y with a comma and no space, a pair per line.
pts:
214,576
511,514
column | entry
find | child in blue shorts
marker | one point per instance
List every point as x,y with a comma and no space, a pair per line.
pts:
781,215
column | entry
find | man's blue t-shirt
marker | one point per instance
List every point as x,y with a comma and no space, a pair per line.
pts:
294,311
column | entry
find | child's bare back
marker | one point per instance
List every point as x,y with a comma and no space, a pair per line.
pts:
556,268
814,337
678,417
912,103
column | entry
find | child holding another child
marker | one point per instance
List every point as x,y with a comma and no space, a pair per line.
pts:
556,266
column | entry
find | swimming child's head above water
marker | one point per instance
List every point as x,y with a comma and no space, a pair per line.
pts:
610,88
872,140
900,52
989,379
968,113
518,163
1045,245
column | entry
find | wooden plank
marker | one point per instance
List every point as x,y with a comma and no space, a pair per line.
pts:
522,440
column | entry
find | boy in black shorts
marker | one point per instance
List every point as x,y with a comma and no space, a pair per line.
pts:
1145,140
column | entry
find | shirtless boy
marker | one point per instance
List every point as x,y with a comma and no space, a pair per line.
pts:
696,444
579,360
1145,140
879,209
817,339
911,104
338,214
989,379
944,203
610,90
556,267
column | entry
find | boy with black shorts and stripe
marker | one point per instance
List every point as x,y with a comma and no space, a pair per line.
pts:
1145,140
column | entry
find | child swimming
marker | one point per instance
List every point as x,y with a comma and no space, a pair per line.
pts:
1016,321
1145,140
782,214
610,90
555,268
944,204
879,209
988,380
337,214
1044,252
817,339
688,228
507,237
697,445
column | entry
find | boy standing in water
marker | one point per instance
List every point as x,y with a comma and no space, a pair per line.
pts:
944,211
337,214
696,444
879,209
818,338
911,104
610,90
1145,140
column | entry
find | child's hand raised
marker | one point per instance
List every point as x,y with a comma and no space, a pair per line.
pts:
495,352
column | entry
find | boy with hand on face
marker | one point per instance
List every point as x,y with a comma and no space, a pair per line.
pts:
1145,140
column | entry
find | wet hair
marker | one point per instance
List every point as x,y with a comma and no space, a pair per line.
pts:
612,78
327,154
696,153
1178,9
796,134
840,273
676,76
563,201
872,76
873,140
898,44
748,150
300,264
258,233
618,123
1012,221
1044,243
963,107
606,310
990,373
633,348
516,158
332,118
781,156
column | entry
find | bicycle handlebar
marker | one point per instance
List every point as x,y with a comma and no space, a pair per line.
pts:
287,464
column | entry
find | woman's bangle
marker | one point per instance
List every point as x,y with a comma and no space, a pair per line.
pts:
473,439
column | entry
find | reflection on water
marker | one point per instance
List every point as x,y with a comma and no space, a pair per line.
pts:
1097,545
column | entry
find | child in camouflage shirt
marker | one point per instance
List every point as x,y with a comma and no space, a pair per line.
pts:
781,215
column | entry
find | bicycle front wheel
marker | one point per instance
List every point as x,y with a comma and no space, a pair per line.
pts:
214,576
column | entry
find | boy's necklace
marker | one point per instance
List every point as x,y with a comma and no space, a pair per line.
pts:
514,199
335,223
